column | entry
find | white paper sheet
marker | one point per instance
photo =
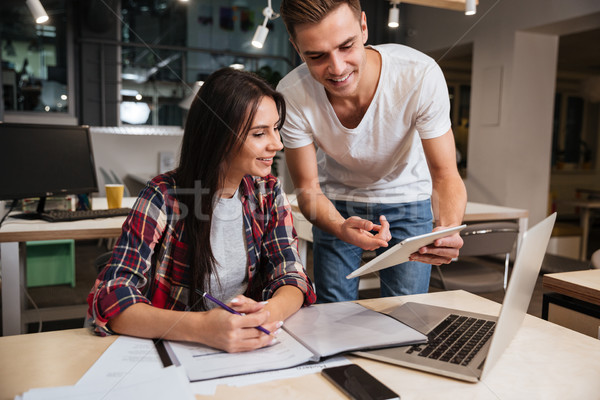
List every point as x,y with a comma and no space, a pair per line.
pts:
128,358
166,383
202,362
331,328
209,387
131,368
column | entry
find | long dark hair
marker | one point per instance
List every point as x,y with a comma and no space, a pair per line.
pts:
216,128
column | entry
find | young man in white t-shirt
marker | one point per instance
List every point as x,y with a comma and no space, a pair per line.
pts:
369,147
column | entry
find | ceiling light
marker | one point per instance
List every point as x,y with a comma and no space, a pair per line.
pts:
134,113
260,36
394,15
470,7
37,10
262,31
129,92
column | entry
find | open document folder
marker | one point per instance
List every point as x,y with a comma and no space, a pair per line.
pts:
401,252
311,333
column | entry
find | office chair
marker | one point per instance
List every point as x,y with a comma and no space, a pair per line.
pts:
471,273
101,261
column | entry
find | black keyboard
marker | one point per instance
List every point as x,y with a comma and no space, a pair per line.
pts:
64,215
456,340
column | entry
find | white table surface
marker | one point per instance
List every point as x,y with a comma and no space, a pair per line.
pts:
544,361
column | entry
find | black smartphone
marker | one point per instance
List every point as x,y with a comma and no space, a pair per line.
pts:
358,384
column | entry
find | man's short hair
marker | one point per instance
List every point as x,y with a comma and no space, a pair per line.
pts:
297,12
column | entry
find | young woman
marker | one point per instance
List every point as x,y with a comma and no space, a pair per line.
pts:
219,223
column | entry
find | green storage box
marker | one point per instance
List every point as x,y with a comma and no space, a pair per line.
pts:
51,262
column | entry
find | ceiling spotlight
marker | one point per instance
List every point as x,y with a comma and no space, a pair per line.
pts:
394,15
258,40
262,31
470,7
37,10
237,65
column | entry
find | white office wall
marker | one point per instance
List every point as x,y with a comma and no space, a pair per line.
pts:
138,155
131,154
530,143
509,159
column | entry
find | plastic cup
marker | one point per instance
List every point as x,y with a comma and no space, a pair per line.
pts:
114,195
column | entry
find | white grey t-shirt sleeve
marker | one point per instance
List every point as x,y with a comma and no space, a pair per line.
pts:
433,110
296,131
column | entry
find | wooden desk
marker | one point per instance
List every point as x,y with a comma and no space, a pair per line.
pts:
582,285
475,212
13,235
544,361
46,359
574,301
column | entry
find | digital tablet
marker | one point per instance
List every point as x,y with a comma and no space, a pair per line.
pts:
401,251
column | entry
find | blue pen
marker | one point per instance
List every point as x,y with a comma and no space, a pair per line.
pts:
226,307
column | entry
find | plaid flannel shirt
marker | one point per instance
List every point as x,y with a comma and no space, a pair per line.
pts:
149,263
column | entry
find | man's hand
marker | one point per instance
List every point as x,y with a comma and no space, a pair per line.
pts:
442,251
358,231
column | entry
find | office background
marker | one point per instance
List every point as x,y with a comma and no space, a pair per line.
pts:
518,72
515,71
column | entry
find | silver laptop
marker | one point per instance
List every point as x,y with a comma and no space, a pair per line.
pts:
466,345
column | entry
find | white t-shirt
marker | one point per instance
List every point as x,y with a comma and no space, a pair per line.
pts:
228,244
382,159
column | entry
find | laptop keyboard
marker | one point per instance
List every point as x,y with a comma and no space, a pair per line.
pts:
456,340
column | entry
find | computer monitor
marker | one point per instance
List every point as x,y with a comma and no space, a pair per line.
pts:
45,160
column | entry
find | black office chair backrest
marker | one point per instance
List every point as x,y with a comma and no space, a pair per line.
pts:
470,274
489,238
101,261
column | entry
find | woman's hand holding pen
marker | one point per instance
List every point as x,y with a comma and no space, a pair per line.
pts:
235,333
